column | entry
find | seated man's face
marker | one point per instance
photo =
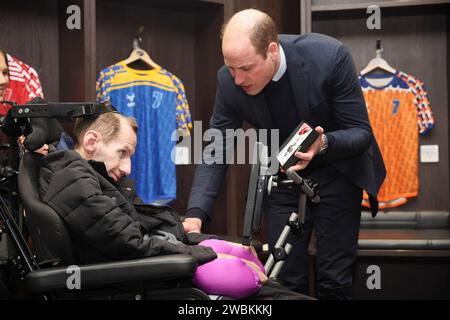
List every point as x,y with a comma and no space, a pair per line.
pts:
116,154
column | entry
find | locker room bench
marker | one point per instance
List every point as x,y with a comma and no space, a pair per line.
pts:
411,250
395,230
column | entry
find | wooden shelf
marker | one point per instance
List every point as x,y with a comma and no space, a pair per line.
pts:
421,254
381,4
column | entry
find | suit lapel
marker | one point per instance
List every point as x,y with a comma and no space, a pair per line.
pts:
299,80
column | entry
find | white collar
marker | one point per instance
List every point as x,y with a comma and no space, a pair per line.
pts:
283,66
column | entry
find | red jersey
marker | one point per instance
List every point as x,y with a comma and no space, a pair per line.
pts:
24,84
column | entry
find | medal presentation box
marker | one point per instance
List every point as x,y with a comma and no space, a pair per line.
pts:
300,140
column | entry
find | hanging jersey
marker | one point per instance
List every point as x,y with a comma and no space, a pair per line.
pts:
425,119
24,84
157,100
183,115
398,112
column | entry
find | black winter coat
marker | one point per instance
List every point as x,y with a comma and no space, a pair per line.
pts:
102,223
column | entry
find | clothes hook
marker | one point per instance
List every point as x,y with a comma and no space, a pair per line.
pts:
379,48
138,39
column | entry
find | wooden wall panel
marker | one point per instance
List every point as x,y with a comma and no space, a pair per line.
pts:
181,41
448,73
168,38
208,60
286,13
233,197
29,31
414,41
75,50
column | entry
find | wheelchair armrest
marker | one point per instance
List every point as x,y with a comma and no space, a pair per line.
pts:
153,269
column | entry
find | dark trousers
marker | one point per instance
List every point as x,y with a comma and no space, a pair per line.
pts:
273,290
336,221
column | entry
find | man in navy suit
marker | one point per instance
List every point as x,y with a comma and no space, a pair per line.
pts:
275,82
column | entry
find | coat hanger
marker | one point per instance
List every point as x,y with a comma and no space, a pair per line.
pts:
378,62
139,58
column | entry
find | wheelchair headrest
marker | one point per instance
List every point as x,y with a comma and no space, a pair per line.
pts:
48,231
40,131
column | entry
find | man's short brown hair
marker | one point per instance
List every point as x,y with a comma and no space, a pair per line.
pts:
263,33
107,124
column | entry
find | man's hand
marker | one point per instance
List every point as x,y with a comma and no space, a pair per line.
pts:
314,149
192,225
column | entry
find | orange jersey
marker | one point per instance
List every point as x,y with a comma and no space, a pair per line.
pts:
398,112
425,119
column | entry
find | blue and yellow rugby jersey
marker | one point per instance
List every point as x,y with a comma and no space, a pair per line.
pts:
157,100
398,113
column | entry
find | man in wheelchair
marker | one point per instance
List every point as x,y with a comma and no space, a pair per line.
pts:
82,186
106,222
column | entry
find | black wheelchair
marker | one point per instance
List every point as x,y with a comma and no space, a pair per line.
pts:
45,267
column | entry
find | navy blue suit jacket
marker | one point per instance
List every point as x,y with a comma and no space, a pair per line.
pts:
327,93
